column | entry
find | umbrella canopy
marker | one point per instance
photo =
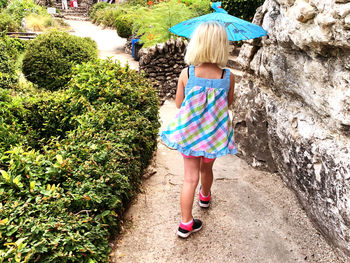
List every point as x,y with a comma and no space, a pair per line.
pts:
237,29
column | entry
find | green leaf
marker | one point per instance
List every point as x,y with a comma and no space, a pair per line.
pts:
59,158
5,175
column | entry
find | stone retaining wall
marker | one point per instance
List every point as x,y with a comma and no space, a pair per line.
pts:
163,64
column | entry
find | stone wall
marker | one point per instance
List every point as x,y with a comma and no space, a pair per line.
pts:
292,109
163,64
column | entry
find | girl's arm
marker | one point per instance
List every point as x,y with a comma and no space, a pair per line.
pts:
180,91
231,90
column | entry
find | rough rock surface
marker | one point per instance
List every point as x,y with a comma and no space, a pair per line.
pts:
292,109
163,64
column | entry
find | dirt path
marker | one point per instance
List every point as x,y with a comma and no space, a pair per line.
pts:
253,216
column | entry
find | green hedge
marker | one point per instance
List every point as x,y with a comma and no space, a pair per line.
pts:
62,198
9,51
49,58
244,9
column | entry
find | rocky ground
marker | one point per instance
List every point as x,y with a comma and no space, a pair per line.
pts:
253,217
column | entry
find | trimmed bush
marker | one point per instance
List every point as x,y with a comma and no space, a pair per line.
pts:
244,9
49,58
62,201
123,25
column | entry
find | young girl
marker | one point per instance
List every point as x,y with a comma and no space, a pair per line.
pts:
202,129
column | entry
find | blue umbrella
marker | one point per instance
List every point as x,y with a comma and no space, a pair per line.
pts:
237,29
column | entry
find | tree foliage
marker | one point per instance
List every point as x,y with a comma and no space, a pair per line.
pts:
244,9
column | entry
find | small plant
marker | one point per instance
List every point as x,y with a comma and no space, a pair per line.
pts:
37,22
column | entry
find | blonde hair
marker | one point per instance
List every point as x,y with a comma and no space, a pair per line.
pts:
208,44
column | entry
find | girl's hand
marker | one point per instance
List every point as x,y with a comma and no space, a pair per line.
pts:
180,91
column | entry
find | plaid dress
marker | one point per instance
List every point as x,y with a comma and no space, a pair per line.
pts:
202,126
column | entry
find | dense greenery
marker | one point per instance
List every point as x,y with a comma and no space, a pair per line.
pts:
3,3
244,9
7,68
20,8
9,51
36,17
70,162
156,20
49,58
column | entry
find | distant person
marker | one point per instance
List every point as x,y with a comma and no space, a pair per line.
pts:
64,5
202,129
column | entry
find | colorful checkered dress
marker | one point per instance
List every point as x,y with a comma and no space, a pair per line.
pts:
202,127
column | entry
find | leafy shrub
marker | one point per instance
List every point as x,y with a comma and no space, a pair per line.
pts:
8,22
110,15
20,8
8,75
14,46
244,9
49,58
97,7
123,24
11,127
105,82
36,22
61,202
198,7
3,3
154,27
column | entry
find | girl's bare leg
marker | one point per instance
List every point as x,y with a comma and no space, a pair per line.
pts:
191,167
206,170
